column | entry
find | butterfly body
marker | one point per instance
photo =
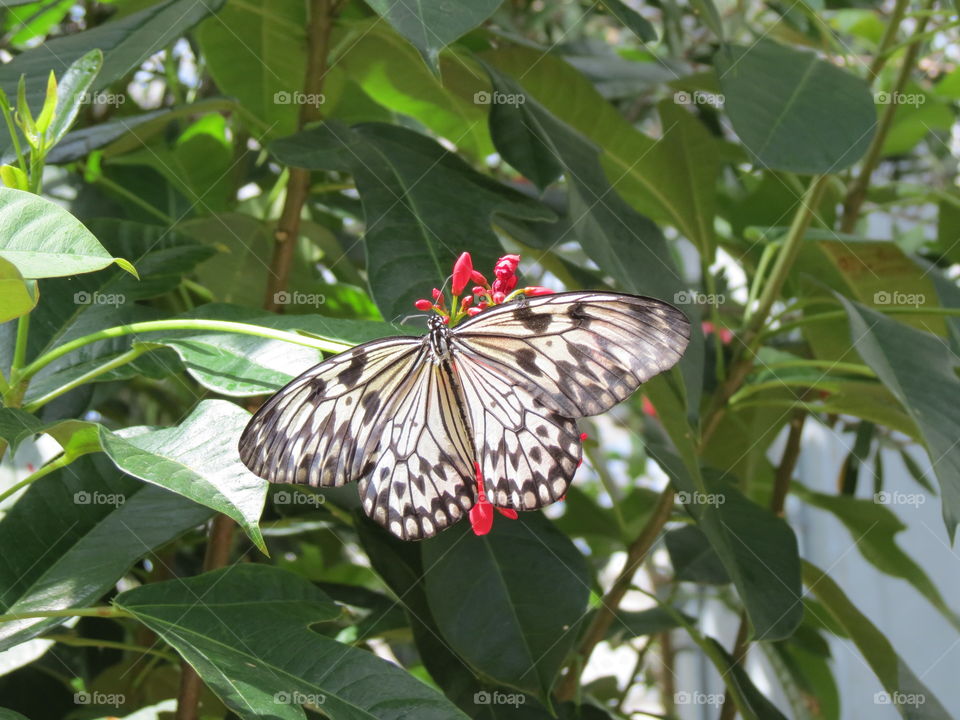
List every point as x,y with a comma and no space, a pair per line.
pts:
415,420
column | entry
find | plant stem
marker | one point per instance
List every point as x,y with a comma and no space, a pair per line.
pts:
606,613
20,349
180,324
55,464
858,189
104,611
12,129
889,36
322,13
133,198
74,641
122,359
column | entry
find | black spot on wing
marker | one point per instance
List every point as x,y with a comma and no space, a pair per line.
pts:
527,361
532,321
578,313
349,376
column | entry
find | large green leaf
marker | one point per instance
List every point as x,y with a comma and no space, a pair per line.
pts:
71,93
431,25
423,205
197,459
794,111
758,549
622,242
919,369
875,527
43,240
256,52
904,690
246,630
487,593
76,532
392,74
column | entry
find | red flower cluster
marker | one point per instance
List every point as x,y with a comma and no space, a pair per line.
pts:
481,514
483,294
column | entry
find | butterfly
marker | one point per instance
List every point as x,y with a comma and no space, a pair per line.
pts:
488,407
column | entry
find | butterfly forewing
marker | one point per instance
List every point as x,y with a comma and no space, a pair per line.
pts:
321,429
409,417
581,353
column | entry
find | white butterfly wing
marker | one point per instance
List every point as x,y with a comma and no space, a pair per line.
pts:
581,353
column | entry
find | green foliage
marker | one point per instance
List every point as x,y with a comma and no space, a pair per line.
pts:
201,200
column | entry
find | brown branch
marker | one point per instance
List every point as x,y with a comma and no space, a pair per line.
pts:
606,613
220,539
322,14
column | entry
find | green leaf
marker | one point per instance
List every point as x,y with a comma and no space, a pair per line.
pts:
487,593
693,558
77,531
622,242
246,630
919,369
637,623
125,44
875,527
16,425
392,74
256,52
17,297
794,111
903,689
197,459
710,16
411,245
44,240
72,93
431,25
6,714
631,19
758,549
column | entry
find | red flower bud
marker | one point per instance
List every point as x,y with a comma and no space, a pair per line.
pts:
423,304
466,302
474,311
481,517
462,272
478,278
508,512
507,265
437,294
537,290
478,290
648,408
498,297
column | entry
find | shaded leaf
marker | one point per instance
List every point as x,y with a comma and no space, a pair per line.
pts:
17,297
487,594
77,531
248,637
794,111
638,24
197,459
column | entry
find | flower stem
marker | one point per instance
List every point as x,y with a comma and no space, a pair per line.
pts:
104,611
122,359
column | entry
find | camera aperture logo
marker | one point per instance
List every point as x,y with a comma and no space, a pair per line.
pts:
485,697
284,497
299,298
82,297
282,97
99,698
483,97
298,698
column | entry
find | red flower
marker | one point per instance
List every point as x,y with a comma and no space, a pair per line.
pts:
726,335
537,290
481,514
462,273
648,408
423,304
